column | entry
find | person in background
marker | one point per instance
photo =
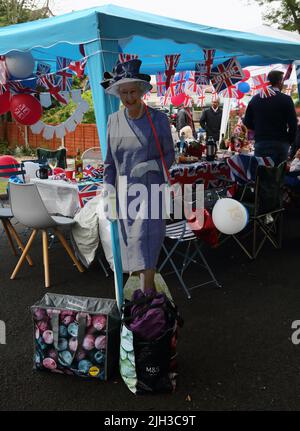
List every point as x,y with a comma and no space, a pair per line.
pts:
273,120
185,118
211,119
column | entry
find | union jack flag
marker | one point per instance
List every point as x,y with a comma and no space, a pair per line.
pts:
289,89
209,55
226,74
171,62
127,57
201,97
91,171
214,95
297,67
243,167
262,86
87,190
147,96
188,101
180,80
229,92
161,84
63,77
17,87
78,67
3,71
166,98
191,84
42,70
288,72
201,76
54,90
209,173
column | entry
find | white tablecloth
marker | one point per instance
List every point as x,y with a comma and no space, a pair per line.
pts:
58,196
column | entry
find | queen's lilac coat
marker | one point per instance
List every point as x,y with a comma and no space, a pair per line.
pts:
130,142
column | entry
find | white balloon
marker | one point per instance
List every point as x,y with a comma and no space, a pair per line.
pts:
229,216
19,64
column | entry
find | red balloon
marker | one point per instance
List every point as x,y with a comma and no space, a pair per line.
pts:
25,109
178,99
247,75
239,95
4,102
8,160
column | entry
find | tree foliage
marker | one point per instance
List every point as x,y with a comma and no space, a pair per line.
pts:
284,13
18,11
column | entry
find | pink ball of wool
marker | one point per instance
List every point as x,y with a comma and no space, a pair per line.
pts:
87,316
100,342
39,314
48,337
73,344
67,320
88,342
49,363
43,325
99,322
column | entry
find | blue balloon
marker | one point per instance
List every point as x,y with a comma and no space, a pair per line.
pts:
244,87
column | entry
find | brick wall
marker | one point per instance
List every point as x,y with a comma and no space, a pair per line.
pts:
85,136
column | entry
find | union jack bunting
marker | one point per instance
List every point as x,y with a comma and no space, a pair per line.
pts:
229,92
209,55
17,87
262,86
54,90
42,70
78,67
180,80
3,71
288,89
166,98
188,101
297,67
243,167
200,97
226,74
147,96
214,95
161,84
201,76
91,171
127,57
288,72
63,76
171,62
87,190
191,84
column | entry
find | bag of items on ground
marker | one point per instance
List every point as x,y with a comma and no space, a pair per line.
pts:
76,335
148,338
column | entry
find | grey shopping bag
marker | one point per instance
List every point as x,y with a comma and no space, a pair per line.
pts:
76,335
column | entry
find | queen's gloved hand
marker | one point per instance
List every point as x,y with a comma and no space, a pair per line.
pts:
142,168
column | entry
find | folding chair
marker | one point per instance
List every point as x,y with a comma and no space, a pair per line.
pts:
180,233
266,210
61,155
92,155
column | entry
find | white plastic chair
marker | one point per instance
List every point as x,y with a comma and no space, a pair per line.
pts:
28,208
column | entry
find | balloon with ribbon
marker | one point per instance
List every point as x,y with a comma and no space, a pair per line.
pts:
25,109
19,64
247,75
178,99
244,87
4,102
229,216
